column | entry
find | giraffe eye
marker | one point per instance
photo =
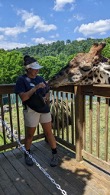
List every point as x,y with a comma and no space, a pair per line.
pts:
95,65
85,68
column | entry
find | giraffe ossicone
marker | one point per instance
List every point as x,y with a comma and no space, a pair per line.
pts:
84,69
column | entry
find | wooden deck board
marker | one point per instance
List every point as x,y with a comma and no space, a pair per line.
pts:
37,173
95,180
5,182
65,185
81,178
73,177
61,175
25,173
1,191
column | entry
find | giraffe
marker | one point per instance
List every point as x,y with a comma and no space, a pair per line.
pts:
84,69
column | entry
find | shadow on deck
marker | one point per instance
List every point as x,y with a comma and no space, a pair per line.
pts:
73,177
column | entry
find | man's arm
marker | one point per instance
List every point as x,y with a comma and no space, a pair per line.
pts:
26,95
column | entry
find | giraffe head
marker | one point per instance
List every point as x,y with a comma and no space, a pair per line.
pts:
84,69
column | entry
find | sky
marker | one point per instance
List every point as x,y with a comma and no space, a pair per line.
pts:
32,22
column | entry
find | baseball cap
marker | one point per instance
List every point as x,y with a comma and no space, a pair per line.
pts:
30,62
34,65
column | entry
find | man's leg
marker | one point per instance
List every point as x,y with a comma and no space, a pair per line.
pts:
29,137
31,119
47,127
28,141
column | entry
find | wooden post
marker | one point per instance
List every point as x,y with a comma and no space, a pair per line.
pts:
79,121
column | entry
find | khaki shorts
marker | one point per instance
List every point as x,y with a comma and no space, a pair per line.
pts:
32,118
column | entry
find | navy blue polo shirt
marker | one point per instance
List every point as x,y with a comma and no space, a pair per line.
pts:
24,84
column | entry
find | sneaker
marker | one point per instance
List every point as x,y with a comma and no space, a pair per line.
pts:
28,160
54,160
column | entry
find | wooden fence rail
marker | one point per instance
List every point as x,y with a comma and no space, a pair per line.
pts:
91,123
80,118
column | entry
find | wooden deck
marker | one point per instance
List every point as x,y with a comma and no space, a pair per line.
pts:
73,177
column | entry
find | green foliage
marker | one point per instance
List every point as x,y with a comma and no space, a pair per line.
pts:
10,66
52,65
106,50
52,57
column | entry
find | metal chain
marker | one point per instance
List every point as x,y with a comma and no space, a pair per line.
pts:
34,160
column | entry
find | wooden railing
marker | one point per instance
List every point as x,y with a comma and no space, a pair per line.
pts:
89,133
80,118
11,113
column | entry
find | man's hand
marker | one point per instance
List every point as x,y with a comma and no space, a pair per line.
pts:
40,85
46,98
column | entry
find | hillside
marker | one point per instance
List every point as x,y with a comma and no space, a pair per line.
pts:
52,57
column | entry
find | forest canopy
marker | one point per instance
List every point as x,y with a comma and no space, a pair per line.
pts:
52,57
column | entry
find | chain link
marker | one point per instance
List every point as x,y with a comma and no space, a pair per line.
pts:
33,159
